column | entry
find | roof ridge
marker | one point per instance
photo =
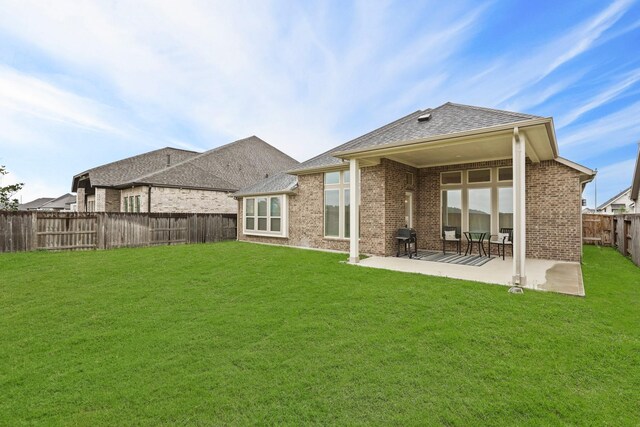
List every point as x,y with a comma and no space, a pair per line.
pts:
371,133
133,157
613,198
493,110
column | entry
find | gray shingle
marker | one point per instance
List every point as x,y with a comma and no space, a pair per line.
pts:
34,204
229,167
446,119
126,170
279,183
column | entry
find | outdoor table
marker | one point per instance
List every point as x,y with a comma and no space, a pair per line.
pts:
475,237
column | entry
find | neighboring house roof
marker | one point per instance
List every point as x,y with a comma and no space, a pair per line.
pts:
614,198
446,119
61,202
635,186
126,170
34,204
228,168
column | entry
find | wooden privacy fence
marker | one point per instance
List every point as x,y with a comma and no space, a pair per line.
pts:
28,231
626,235
596,229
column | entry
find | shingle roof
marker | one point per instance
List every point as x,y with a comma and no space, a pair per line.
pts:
126,170
61,202
34,204
229,167
446,119
279,183
611,200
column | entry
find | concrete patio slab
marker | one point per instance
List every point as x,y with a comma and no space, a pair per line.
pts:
542,275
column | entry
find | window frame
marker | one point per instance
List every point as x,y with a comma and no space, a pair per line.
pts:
343,186
498,173
494,185
283,217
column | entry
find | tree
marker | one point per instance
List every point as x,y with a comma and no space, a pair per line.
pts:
6,193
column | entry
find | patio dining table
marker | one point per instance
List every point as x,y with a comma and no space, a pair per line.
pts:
475,237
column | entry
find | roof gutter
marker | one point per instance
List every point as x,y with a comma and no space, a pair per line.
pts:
548,122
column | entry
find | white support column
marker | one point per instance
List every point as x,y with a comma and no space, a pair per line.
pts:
354,211
519,209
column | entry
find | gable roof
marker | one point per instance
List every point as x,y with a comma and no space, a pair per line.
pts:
61,202
125,170
446,119
613,199
229,167
34,204
226,168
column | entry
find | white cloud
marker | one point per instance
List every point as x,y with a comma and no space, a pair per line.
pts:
610,180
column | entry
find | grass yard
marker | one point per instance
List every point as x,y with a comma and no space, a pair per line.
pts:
235,333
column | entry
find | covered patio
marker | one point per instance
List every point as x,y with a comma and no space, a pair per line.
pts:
476,181
542,275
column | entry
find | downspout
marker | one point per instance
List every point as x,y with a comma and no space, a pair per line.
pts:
149,200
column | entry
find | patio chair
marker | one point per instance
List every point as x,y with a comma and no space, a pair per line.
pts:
407,236
502,239
451,234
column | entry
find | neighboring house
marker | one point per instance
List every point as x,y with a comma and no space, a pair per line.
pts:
62,203
173,180
478,169
620,203
34,205
634,195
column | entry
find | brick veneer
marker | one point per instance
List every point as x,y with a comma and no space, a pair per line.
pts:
382,185
552,201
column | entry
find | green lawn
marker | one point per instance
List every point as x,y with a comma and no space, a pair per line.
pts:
234,333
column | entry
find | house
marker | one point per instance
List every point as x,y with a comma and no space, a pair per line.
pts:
174,180
65,202
634,194
620,203
472,168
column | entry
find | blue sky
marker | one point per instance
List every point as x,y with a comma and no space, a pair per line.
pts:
86,83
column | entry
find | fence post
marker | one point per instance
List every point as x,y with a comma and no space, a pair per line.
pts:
34,231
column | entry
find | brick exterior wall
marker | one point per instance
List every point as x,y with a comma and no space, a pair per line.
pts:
188,200
142,191
553,203
381,186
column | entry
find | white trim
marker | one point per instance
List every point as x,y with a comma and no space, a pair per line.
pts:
409,196
585,170
354,223
519,208
284,216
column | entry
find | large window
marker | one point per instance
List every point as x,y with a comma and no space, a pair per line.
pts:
480,209
505,207
452,208
477,200
264,215
337,204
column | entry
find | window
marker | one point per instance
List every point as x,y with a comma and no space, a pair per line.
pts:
505,174
137,203
91,206
452,208
505,207
481,202
131,205
126,204
264,215
478,175
337,204
451,177
480,209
